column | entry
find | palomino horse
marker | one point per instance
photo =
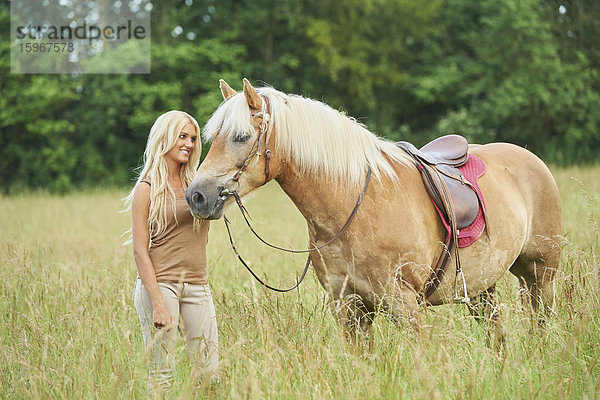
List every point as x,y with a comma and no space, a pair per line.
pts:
320,158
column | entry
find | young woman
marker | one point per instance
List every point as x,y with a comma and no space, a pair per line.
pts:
169,248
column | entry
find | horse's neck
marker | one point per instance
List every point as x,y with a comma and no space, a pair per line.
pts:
325,205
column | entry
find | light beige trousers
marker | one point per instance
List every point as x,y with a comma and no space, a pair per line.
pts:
193,312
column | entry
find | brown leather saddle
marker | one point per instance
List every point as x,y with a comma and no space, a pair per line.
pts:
454,196
445,155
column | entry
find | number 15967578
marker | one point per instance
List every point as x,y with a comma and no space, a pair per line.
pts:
44,47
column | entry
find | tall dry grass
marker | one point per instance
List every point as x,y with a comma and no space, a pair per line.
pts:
68,328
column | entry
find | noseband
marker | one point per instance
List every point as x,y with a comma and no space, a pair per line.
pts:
231,189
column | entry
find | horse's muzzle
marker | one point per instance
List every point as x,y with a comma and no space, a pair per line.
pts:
204,196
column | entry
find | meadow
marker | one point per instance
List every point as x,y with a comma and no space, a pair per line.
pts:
68,327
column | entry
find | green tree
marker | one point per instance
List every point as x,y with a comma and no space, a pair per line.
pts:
63,131
510,83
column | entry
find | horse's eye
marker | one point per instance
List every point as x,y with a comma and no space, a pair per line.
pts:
241,137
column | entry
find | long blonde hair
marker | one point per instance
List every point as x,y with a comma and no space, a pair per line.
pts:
162,138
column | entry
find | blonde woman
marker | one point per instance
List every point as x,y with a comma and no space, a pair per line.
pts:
169,249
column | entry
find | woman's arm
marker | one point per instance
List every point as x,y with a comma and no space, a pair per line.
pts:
140,209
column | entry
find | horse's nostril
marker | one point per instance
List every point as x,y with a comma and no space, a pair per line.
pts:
198,200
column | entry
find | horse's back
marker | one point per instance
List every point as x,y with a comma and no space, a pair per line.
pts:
528,186
522,170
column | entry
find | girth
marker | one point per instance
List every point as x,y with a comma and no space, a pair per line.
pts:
452,194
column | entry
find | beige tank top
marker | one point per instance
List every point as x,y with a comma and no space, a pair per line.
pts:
179,253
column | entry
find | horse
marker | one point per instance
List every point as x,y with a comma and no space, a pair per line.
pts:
321,157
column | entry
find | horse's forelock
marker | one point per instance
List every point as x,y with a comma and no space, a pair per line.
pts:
232,117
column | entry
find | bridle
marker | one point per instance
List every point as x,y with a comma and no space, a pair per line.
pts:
231,189
257,149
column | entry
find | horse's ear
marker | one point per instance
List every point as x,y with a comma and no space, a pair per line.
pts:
252,97
226,90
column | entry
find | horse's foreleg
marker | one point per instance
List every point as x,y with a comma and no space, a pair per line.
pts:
356,320
484,308
403,307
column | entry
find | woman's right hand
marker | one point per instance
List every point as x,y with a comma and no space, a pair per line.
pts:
140,209
162,318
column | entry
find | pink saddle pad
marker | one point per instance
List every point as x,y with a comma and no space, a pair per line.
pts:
472,170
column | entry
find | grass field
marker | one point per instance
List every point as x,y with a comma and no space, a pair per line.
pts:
68,328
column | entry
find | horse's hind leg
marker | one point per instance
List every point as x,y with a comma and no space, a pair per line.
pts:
535,271
484,308
537,291
539,258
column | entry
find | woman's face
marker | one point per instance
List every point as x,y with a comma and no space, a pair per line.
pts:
186,142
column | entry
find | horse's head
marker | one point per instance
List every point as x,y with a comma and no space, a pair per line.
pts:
238,159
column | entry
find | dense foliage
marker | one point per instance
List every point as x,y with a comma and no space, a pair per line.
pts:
504,70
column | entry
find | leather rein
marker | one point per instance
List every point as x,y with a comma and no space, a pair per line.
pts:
231,189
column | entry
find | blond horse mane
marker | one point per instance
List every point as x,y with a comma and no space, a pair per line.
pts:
317,138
